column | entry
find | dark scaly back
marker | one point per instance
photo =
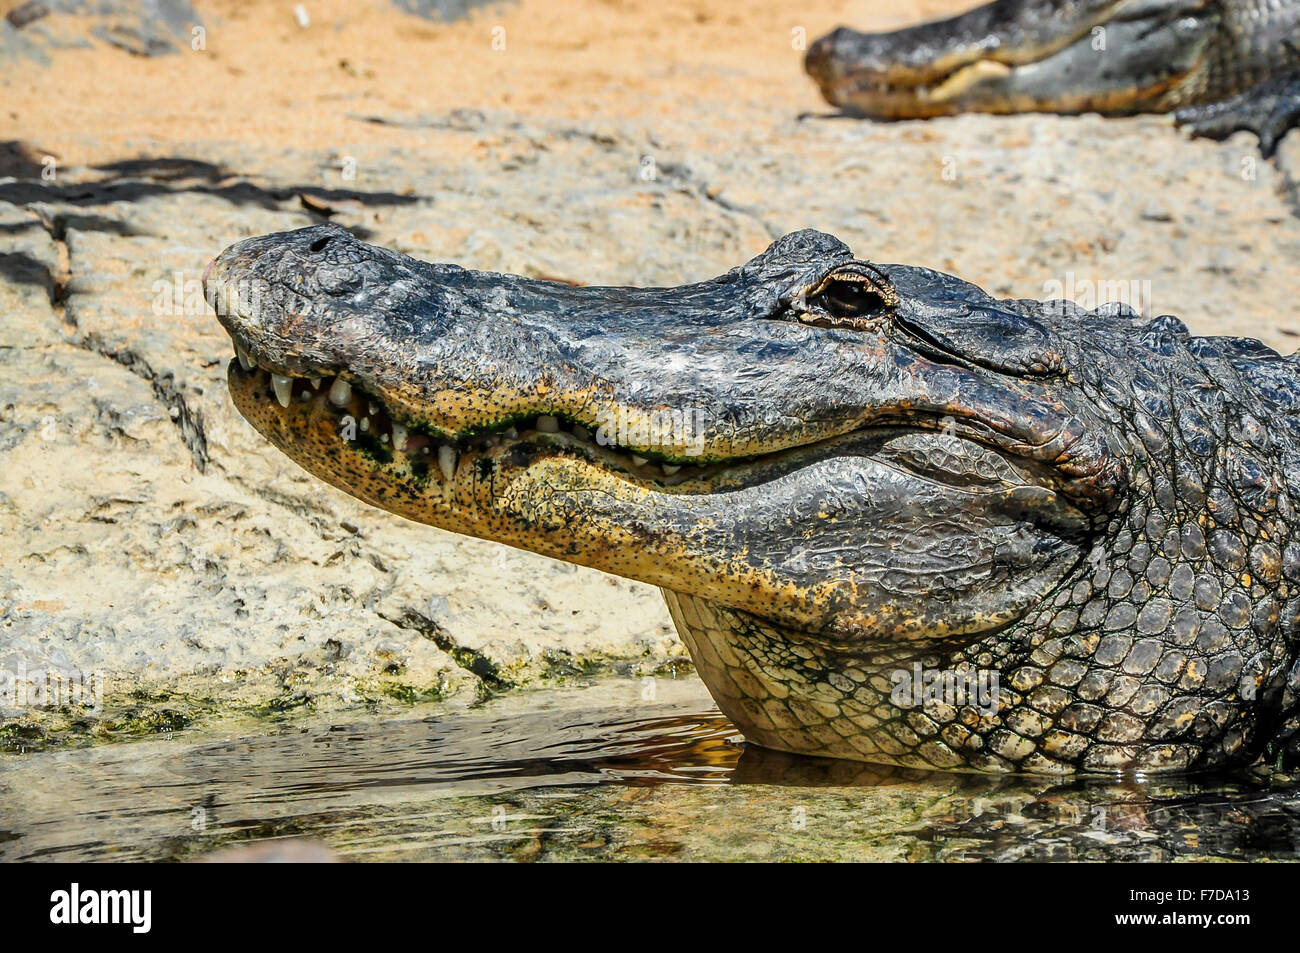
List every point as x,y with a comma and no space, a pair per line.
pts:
1233,453
1176,643
1267,385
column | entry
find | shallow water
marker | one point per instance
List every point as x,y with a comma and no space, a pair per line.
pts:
594,773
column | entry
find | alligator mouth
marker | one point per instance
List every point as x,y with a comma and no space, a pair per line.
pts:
769,534
990,86
973,63
365,421
936,92
414,450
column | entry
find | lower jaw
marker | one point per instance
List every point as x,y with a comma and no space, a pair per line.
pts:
531,507
540,498
502,490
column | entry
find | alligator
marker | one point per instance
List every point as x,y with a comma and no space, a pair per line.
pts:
895,519
1220,65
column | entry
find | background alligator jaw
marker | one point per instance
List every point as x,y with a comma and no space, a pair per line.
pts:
1010,57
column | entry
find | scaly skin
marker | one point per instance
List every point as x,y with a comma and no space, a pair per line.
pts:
1221,65
883,472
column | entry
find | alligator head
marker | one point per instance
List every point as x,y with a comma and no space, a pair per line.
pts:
1109,56
895,519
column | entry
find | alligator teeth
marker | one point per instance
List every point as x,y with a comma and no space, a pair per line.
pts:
283,388
377,424
245,361
340,393
965,78
447,458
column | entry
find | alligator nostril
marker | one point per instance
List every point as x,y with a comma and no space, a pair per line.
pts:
319,244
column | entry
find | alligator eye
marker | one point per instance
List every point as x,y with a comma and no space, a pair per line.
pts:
851,296
845,300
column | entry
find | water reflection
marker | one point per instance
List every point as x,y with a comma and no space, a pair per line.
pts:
598,774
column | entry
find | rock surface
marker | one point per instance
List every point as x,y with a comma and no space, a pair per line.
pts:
149,538
142,27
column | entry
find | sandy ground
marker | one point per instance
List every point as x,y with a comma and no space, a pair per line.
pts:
148,535
263,80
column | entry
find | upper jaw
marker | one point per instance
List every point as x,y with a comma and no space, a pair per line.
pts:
733,449
463,352
691,375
